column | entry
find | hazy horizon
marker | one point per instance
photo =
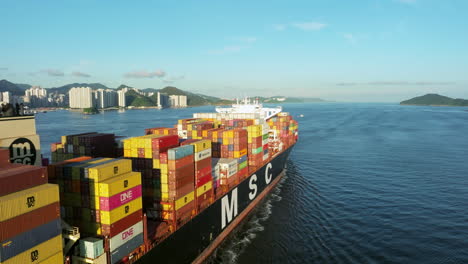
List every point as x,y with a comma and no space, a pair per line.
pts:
366,51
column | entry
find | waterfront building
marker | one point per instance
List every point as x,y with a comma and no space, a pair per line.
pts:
178,100
81,97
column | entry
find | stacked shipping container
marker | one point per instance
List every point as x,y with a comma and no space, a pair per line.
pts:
103,197
90,144
204,194
30,225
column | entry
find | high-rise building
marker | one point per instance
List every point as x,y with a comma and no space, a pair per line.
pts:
36,91
105,98
36,97
162,100
121,98
81,97
6,97
178,100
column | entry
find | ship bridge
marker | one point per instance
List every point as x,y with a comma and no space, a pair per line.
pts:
247,106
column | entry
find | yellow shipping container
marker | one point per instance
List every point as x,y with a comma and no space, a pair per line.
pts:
164,178
164,187
148,153
127,143
181,202
64,140
76,169
156,163
164,169
119,184
39,253
128,153
110,217
194,134
201,145
22,202
164,195
133,143
110,169
57,258
94,200
204,188
228,134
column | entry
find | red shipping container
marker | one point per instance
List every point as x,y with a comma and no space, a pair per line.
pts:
163,158
22,223
202,172
180,192
182,171
180,182
174,164
203,163
122,224
4,157
203,180
164,143
14,178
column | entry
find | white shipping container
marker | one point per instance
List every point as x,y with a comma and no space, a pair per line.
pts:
91,247
182,133
124,236
69,148
202,154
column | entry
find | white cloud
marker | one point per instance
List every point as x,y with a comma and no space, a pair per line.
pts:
145,74
309,26
80,74
53,72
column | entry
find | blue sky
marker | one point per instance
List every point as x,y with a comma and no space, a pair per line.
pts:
370,51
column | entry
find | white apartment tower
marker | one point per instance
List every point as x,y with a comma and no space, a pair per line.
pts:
121,98
81,97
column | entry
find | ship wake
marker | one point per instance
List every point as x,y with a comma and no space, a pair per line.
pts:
245,234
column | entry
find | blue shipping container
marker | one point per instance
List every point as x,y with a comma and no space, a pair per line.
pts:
24,241
126,248
180,152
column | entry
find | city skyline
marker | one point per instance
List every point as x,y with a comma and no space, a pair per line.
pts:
367,51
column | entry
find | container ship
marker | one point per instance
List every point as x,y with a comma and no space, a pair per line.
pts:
172,195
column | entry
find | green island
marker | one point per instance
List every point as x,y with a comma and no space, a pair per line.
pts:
90,111
435,100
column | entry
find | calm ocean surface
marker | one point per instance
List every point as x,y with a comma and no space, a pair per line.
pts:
366,183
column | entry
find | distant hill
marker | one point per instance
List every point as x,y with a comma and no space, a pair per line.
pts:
64,89
435,100
23,86
6,86
194,99
132,98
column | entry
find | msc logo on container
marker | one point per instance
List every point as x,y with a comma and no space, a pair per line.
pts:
23,151
34,255
30,201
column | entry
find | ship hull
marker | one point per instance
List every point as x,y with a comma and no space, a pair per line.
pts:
197,239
